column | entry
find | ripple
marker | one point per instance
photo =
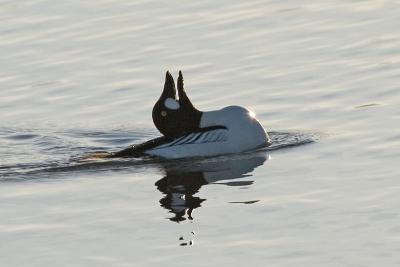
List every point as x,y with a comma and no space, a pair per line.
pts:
19,137
77,150
282,140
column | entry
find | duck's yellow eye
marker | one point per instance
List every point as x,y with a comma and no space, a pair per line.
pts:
163,113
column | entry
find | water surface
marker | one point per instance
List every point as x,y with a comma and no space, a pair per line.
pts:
79,77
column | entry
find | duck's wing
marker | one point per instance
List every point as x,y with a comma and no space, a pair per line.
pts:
204,135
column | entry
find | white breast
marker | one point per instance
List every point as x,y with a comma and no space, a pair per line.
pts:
243,133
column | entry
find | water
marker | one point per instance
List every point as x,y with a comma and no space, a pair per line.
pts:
82,76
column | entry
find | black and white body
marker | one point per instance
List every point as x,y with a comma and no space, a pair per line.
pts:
189,132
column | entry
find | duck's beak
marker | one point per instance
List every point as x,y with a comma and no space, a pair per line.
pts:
181,90
169,87
183,98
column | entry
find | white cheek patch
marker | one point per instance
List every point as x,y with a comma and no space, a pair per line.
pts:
171,104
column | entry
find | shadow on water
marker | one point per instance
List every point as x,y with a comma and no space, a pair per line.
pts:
182,181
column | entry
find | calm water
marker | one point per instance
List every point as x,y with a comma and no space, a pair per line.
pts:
82,76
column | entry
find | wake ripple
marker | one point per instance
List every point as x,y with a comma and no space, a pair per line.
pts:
40,153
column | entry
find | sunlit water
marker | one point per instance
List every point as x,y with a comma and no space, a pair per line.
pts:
78,77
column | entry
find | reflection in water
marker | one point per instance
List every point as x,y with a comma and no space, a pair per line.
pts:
184,179
179,189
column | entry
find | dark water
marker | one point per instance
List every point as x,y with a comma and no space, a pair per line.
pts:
78,77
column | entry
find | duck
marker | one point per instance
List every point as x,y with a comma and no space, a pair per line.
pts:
188,132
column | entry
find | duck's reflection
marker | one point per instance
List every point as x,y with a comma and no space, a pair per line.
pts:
184,179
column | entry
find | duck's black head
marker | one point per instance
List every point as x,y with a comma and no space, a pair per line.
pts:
172,116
